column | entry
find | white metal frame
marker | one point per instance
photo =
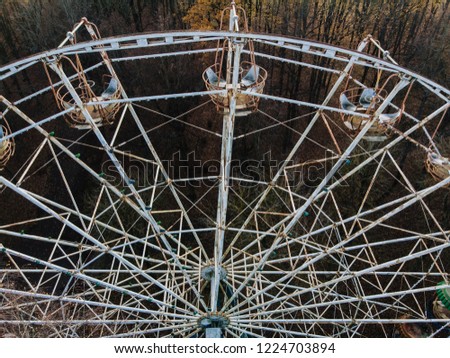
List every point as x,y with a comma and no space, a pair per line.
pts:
329,280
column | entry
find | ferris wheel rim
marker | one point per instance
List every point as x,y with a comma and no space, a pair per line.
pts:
202,36
243,320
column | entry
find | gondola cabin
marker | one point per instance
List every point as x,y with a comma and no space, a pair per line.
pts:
220,76
413,329
98,100
438,166
366,101
89,93
6,144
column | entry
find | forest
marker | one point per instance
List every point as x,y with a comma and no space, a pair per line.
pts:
415,32
137,238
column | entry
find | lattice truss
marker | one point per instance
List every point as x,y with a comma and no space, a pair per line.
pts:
109,228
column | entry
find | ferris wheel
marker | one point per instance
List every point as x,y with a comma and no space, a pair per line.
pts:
136,201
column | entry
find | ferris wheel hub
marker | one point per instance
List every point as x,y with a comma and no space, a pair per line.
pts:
213,320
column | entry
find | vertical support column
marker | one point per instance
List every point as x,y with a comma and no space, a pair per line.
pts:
233,66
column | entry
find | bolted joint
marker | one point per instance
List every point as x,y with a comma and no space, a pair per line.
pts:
208,273
213,320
